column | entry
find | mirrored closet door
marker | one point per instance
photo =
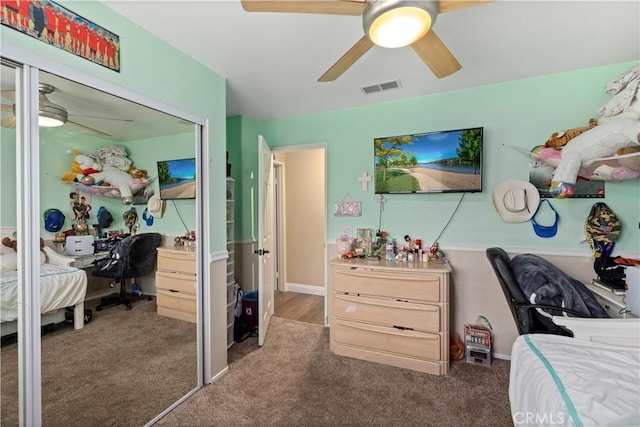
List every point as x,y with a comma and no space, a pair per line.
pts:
105,363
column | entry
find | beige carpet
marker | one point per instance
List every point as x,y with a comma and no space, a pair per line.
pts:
295,380
122,369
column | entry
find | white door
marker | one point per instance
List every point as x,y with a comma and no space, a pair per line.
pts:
266,227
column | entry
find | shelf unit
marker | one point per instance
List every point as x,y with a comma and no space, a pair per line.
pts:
231,278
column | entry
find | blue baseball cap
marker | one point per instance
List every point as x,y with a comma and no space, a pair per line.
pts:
53,220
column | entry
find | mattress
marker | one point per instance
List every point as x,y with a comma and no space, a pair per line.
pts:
562,381
60,286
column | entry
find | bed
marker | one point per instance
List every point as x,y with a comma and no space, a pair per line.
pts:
589,380
61,286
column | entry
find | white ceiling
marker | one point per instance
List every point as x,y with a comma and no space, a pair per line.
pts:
272,60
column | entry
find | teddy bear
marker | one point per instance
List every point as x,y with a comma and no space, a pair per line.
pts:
13,243
559,140
81,165
617,128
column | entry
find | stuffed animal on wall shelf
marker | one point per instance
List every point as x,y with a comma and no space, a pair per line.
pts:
559,140
618,128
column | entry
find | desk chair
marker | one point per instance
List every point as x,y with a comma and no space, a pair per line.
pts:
528,319
132,257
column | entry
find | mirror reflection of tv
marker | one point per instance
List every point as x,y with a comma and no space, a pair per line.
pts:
433,162
177,179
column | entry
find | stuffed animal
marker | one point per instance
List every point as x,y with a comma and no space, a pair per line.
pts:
617,128
631,162
559,140
115,178
82,165
13,244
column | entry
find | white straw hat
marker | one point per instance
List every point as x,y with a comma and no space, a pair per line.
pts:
155,206
516,200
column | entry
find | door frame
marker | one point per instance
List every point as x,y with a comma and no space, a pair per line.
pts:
27,137
303,147
281,232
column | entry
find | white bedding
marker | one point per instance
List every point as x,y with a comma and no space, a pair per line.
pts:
563,381
60,286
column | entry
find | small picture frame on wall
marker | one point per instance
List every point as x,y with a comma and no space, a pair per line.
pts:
59,27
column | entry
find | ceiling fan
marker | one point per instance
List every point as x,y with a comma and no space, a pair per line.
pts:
387,23
50,114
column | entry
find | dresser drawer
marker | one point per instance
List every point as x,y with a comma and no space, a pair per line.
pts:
176,261
177,305
421,317
176,282
382,338
406,286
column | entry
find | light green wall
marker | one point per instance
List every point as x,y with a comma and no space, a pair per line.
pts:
242,143
515,114
152,68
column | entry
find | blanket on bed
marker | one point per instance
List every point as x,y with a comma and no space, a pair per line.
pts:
543,283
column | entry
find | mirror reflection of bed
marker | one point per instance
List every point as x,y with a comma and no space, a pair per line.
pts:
120,358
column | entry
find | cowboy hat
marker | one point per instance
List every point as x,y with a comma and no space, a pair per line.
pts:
155,206
516,200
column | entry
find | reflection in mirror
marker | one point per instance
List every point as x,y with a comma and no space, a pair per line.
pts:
105,363
8,259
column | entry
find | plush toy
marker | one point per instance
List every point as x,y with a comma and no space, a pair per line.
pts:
82,165
115,177
559,140
617,128
13,244
631,162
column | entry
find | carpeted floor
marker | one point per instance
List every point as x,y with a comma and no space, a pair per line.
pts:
295,380
122,369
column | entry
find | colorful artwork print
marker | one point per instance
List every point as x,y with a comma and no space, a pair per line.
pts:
57,26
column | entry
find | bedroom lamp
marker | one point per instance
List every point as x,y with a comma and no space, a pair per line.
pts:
50,114
398,23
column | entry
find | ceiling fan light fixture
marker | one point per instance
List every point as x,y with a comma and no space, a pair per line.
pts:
398,23
50,114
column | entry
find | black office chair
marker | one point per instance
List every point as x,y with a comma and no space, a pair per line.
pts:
132,257
528,319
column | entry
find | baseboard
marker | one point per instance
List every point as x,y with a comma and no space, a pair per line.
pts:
304,289
219,375
501,356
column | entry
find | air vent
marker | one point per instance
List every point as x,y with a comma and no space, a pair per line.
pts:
394,84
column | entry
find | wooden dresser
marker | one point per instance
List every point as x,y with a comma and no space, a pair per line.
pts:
176,283
391,313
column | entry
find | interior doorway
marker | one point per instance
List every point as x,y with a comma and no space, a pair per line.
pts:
300,206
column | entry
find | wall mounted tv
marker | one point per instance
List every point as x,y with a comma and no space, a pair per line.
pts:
433,162
177,179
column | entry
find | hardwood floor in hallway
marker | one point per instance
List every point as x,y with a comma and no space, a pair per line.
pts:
301,307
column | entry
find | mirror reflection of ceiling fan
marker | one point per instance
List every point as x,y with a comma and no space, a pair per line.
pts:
387,23
50,114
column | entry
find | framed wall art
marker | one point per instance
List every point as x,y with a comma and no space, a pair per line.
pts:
57,26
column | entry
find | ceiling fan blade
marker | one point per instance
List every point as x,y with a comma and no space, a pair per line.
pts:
9,94
8,122
101,118
451,5
87,128
328,7
436,55
347,60
6,107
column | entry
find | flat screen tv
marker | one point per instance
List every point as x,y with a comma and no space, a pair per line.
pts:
433,162
177,179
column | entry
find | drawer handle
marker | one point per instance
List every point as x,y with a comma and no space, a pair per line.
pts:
392,304
174,291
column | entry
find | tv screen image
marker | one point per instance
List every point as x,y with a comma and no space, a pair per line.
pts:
434,162
177,179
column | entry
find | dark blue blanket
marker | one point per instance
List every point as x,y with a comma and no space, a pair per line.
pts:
553,287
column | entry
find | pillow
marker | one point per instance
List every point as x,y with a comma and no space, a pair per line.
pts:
8,262
43,258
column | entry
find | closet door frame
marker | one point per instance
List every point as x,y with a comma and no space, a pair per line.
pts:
28,205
